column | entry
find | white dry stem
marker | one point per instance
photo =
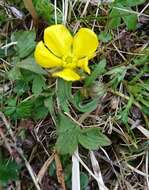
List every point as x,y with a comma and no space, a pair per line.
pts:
105,153
85,8
136,170
96,15
63,10
143,10
29,168
87,169
8,45
95,2
144,131
66,4
130,11
127,53
110,161
136,125
75,1
75,171
83,13
55,11
97,172
119,52
146,168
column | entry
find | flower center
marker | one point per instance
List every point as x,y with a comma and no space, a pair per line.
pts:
69,61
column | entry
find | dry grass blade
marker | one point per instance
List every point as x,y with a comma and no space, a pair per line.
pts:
29,6
97,172
84,11
143,130
130,11
137,171
65,14
59,171
44,168
89,171
143,10
29,168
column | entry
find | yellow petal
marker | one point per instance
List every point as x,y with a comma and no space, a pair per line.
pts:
45,58
67,74
58,39
83,64
85,43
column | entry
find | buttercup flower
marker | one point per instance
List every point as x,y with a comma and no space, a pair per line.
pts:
64,53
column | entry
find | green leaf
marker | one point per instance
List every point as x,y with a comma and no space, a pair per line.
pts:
92,139
14,74
86,107
45,9
24,109
20,110
2,53
67,142
49,104
64,94
129,3
67,132
29,64
64,97
70,134
52,169
12,101
21,87
131,21
105,37
9,110
132,3
10,52
115,19
99,69
64,124
141,60
11,106
40,113
145,86
117,74
38,84
123,116
122,10
145,110
25,42
84,180
9,170
144,102
39,109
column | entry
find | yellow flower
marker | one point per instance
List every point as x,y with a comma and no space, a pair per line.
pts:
64,53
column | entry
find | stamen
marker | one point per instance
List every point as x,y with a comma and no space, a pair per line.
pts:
69,62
